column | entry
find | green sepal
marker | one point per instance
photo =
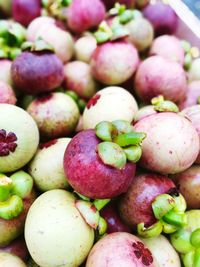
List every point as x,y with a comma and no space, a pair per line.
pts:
162,205
22,184
152,231
133,153
112,154
128,139
175,218
100,203
102,226
195,238
123,126
11,208
105,130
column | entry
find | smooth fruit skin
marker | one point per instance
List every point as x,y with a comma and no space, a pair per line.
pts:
88,175
7,94
82,16
162,17
135,204
61,237
84,47
20,125
49,176
193,114
24,11
188,183
56,115
120,249
78,78
47,29
192,94
35,73
114,62
114,222
159,76
141,33
9,260
194,70
5,71
11,229
169,47
101,107
171,145
162,251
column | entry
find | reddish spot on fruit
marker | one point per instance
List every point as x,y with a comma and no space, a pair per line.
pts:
7,143
48,144
143,253
93,101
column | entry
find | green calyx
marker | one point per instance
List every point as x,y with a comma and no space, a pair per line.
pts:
90,213
38,46
79,101
162,105
106,33
170,214
12,192
122,14
54,8
12,35
120,143
190,54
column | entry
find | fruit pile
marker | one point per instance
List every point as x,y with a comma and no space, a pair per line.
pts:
99,135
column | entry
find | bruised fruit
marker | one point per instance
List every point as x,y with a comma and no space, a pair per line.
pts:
140,33
120,249
19,138
81,15
149,203
101,107
171,145
162,251
159,76
169,47
37,72
56,115
71,238
84,47
24,11
7,94
114,62
188,183
162,17
9,260
51,176
78,78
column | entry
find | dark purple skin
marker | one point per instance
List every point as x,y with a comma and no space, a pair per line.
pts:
17,247
86,172
110,3
114,222
192,94
162,17
37,72
24,11
135,204
82,15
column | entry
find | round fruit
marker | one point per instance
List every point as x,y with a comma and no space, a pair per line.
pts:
9,260
56,115
101,107
172,143
194,70
120,249
114,62
159,76
84,47
37,72
78,78
19,138
49,176
192,94
60,237
7,94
